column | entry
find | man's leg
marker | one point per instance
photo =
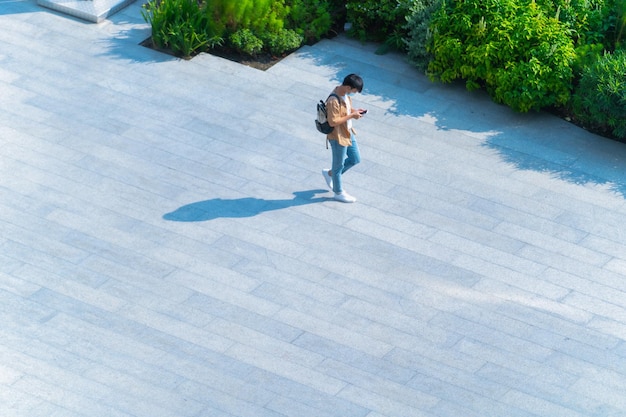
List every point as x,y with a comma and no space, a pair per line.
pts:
353,155
339,155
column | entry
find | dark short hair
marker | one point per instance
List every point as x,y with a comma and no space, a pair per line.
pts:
354,81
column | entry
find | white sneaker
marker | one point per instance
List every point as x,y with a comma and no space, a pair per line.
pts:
344,197
328,178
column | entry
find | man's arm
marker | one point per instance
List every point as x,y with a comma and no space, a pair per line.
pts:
333,113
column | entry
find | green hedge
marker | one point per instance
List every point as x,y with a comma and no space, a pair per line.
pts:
188,27
180,25
600,98
418,30
527,54
380,21
513,48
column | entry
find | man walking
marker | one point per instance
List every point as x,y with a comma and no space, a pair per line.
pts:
345,149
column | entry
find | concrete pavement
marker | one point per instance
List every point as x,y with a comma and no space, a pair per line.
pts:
168,247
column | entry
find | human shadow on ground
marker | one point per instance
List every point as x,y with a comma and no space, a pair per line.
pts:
239,207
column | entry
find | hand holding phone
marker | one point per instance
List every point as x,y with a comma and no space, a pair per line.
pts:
363,111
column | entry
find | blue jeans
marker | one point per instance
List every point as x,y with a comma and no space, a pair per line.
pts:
344,158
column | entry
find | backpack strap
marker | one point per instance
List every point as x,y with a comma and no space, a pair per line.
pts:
339,100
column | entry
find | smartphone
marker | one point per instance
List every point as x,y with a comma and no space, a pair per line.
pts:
363,111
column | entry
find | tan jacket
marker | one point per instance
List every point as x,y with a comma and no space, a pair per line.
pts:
336,109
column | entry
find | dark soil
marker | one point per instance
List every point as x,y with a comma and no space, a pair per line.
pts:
261,62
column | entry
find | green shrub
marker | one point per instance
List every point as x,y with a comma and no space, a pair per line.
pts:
585,19
599,22
513,48
599,101
618,14
254,26
586,55
283,41
187,27
338,14
179,25
244,41
594,26
418,31
379,20
310,18
260,16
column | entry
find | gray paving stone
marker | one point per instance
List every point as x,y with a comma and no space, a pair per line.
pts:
354,358
168,246
335,332
608,326
557,327
18,403
380,403
536,405
495,339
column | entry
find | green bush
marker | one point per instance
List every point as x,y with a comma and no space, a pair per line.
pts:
379,20
599,22
418,31
244,41
619,12
283,41
260,16
518,52
599,101
338,14
277,44
591,25
310,18
260,25
179,25
585,55
584,19
187,27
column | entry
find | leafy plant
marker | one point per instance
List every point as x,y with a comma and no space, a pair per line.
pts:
619,14
259,16
254,26
600,98
283,41
310,18
586,55
379,20
419,35
521,54
246,42
179,25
